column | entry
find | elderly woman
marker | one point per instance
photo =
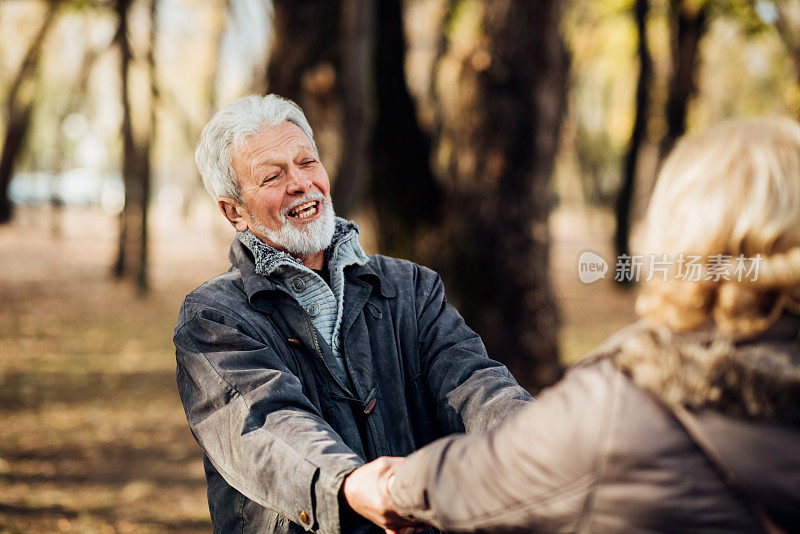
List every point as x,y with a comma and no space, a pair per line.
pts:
689,421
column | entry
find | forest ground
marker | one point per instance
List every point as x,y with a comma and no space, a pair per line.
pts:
92,435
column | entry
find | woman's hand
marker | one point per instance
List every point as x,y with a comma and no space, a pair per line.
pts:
367,492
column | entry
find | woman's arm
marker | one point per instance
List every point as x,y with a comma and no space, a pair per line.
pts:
534,471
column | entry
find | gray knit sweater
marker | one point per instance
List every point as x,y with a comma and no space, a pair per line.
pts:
322,302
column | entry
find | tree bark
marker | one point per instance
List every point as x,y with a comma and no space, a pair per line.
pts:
16,130
121,267
402,188
481,219
688,23
358,103
132,247
502,102
305,66
638,135
143,272
19,110
790,38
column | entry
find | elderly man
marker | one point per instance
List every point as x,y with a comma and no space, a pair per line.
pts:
308,357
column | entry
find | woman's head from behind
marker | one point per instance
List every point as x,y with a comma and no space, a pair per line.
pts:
723,200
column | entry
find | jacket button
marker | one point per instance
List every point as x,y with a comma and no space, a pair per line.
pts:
298,284
294,341
304,517
368,409
313,309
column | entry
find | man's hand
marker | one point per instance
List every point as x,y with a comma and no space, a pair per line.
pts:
366,491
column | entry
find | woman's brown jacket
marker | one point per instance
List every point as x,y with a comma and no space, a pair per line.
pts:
601,451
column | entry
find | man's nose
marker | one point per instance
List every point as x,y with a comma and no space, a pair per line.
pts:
298,181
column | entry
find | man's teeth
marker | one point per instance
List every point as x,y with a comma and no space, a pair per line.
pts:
305,210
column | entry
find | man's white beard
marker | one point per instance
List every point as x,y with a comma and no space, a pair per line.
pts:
303,239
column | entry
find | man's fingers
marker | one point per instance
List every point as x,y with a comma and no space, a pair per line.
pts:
366,490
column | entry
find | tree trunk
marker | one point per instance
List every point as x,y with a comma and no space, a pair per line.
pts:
378,124
143,273
626,193
132,250
483,221
19,111
305,66
121,267
16,129
358,103
502,101
402,187
688,23
789,36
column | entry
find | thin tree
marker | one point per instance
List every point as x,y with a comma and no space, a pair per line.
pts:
357,37
789,35
688,22
127,136
625,196
132,248
143,273
19,108
402,186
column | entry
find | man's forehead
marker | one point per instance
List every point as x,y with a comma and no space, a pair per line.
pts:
273,142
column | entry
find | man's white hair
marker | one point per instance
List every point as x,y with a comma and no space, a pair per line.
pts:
230,128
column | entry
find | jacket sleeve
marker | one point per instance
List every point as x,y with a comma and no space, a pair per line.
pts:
249,414
472,392
533,473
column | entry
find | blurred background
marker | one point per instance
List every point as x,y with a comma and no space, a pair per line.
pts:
491,140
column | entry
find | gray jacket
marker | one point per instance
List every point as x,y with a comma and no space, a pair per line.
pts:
601,452
280,432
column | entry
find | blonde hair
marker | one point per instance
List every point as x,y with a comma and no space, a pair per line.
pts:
734,191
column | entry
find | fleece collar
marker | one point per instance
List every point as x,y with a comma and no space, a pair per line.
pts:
757,378
269,261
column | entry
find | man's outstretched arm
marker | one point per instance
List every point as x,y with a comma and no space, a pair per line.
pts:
472,392
248,412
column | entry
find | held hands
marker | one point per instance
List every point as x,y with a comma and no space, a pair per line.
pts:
367,492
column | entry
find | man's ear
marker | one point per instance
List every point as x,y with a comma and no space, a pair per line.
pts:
234,212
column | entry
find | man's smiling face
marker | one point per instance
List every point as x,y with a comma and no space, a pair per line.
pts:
286,192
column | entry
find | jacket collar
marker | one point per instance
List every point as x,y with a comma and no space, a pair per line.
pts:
757,377
241,258
254,283
378,281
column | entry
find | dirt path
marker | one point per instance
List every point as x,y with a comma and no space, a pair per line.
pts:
93,437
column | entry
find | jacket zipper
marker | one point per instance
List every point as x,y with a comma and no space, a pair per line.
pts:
319,353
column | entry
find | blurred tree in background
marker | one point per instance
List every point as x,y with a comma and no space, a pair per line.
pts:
19,106
450,128
688,21
630,162
644,73
349,78
480,214
499,86
137,139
